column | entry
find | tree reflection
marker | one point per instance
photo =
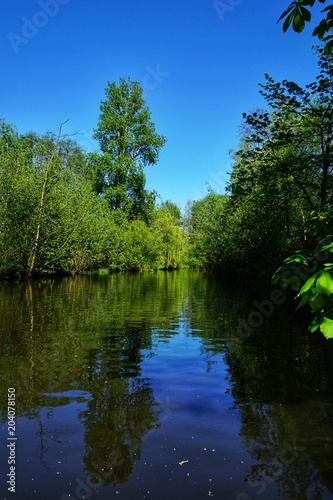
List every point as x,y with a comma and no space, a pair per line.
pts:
116,421
91,336
122,409
280,381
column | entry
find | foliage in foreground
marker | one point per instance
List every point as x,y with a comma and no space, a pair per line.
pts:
297,14
310,273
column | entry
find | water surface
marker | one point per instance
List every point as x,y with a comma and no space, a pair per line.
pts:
143,386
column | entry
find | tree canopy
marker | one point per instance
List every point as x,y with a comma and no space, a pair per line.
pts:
65,211
128,142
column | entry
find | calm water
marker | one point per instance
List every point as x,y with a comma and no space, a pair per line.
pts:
145,386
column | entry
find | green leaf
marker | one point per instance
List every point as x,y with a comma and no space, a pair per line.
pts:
326,248
307,285
305,14
306,298
321,29
295,258
328,47
286,12
287,21
314,325
298,22
326,327
316,302
324,283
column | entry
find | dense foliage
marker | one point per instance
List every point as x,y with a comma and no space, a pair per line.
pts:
128,143
280,196
65,211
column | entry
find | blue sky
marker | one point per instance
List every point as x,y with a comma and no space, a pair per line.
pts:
199,63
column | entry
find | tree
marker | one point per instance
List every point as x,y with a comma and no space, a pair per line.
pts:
282,172
51,219
18,195
307,128
206,229
283,169
42,199
128,143
168,236
169,207
307,123
296,15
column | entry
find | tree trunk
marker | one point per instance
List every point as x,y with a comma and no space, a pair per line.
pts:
33,252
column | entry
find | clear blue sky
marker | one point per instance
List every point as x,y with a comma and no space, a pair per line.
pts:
200,68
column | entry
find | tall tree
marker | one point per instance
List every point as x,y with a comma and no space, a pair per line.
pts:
128,142
307,117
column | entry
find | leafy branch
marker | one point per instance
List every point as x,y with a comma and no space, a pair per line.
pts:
297,14
311,274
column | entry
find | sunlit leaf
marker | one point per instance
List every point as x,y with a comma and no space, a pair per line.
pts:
307,285
324,283
326,327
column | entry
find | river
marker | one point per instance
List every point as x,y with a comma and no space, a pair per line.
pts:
168,385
